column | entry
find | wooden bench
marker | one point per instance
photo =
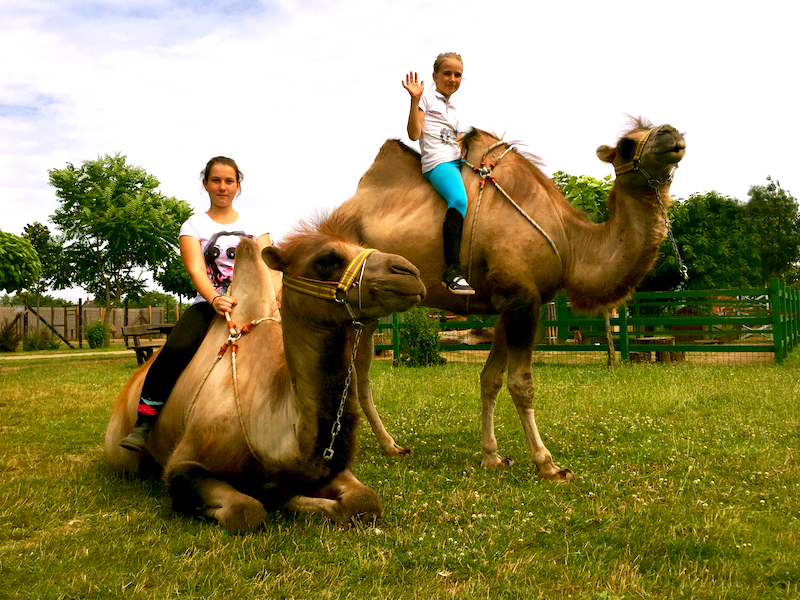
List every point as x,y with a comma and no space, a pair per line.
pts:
133,335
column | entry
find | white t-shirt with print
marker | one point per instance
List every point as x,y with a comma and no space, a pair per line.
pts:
438,142
218,243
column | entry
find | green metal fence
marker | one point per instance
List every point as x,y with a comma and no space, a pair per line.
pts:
670,324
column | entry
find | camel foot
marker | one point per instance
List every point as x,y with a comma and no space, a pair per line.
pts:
362,506
395,450
559,475
241,517
495,461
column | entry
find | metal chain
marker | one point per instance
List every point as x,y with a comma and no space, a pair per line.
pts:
337,425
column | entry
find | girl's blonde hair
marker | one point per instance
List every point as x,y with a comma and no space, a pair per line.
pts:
443,57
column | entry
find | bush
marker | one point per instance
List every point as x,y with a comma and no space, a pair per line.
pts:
9,336
40,339
98,335
419,339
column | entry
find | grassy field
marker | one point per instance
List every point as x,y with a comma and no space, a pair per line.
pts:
688,486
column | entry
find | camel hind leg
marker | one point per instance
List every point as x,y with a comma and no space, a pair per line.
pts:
364,389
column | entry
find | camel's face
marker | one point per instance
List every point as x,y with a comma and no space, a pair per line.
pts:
385,284
646,153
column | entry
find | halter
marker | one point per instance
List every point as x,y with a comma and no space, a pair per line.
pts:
337,291
636,165
334,290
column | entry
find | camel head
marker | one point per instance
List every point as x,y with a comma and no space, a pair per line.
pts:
336,280
646,155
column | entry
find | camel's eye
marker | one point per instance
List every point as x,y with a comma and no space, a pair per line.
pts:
327,264
626,147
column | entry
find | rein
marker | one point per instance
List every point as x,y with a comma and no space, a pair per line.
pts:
234,335
636,165
485,172
337,292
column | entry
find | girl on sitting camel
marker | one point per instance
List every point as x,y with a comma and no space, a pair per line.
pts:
432,120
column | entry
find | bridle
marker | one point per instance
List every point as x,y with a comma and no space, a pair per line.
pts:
334,290
635,165
337,291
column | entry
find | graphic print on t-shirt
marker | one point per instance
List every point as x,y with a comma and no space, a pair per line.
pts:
219,255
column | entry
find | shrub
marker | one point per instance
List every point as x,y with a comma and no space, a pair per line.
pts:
9,336
97,334
419,339
41,339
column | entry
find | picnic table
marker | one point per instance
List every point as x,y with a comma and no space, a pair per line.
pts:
135,334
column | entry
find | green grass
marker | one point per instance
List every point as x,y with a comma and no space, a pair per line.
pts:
688,486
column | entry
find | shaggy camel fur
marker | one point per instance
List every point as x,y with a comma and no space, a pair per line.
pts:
232,459
511,264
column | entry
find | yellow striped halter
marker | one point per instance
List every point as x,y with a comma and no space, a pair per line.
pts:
334,290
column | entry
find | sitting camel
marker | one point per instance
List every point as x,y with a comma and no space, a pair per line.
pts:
273,426
522,243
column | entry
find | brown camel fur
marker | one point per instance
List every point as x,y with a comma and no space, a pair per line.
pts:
513,268
232,460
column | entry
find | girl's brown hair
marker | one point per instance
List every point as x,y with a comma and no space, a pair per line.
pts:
222,160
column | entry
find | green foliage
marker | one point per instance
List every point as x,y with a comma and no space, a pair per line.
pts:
587,194
41,339
20,266
117,227
172,276
98,334
55,273
773,214
26,298
10,337
419,339
718,245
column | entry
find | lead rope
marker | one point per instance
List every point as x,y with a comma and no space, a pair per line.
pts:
486,173
233,337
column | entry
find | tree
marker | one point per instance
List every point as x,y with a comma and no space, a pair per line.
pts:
54,275
718,245
20,266
773,213
587,194
116,226
174,278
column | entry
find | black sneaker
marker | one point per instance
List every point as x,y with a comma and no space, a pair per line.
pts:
458,285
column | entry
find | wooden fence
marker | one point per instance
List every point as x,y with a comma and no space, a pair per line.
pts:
667,324
69,322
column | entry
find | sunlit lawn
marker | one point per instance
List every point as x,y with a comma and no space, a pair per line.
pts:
687,486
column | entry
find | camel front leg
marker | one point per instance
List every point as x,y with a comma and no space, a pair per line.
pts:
521,387
491,382
342,500
364,389
235,511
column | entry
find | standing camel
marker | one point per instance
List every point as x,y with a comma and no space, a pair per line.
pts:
272,424
517,257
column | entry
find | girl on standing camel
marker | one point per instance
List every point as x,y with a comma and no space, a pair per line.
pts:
432,120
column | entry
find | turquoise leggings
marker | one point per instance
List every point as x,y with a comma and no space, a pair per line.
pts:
446,179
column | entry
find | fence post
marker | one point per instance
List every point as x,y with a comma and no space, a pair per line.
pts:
396,337
777,320
623,332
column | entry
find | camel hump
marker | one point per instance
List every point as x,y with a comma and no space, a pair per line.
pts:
395,163
252,285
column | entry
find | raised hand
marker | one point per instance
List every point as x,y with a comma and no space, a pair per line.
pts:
413,86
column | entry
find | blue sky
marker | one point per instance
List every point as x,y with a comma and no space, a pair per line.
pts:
303,94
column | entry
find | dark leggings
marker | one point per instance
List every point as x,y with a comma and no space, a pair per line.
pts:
181,345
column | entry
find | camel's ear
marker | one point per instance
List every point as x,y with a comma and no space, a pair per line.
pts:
606,154
274,258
